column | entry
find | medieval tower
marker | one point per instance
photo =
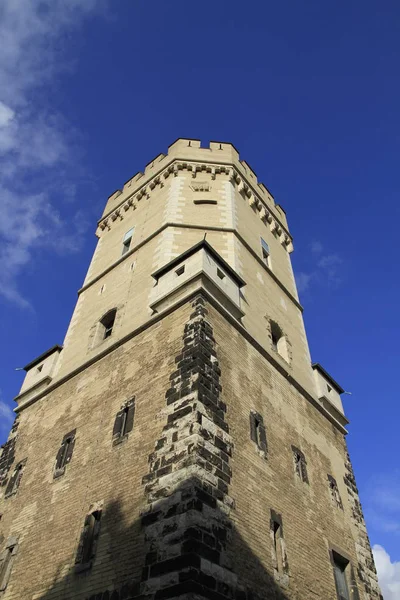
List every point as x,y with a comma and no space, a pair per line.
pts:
180,443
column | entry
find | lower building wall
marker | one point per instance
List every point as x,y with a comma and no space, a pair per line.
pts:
188,498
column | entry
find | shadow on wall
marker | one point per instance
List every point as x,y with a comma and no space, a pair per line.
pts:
185,544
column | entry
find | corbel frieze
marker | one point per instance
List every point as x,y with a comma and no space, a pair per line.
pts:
234,177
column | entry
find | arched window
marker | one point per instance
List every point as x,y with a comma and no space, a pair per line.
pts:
107,323
278,340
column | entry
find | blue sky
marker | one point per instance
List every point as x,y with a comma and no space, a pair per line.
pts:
309,93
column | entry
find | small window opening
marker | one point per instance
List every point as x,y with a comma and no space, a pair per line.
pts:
335,494
15,479
300,465
257,432
180,271
40,368
88,541
220,274
265,253
123,423
126,243
64,454
340,568
278,545
6,561
108,323
278,341
328,387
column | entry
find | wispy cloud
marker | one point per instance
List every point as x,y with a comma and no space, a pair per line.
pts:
325,269
36,147
382,504
6,416
388,573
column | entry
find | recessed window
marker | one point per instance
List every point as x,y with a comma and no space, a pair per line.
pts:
88,541
334,490
328,387
6,562
220,274
124,421
39,369
15,479
257,431
278,340
180,271
265,253
300,465
126,243
340,571
280,561
64,454
107,322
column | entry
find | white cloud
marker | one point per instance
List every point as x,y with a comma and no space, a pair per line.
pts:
388,573
6,416
36,147
325,269
316,247
303,281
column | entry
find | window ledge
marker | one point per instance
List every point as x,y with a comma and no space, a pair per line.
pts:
120,440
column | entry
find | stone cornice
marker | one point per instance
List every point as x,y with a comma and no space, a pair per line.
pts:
244,186
158,317
203,228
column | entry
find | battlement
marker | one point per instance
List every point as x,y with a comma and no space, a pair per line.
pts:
201,158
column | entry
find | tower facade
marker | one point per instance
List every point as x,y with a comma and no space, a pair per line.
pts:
180,443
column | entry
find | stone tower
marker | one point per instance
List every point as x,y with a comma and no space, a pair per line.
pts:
180,443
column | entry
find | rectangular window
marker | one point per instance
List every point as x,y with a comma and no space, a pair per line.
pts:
6,562
64,454
340,567
180,271
300,464
15,479
335,495
257,431
123,423
126,244
88,541
265,252
281,566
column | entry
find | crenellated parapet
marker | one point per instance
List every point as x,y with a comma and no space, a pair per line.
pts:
187,156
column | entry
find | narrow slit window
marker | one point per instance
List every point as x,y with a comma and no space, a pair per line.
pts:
280,561
334,490
340,569
6,563
88,541
124,420
108,322
180,271
64,454
257,432
265,252
300,465
40,368
126,243
220,274
15,479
